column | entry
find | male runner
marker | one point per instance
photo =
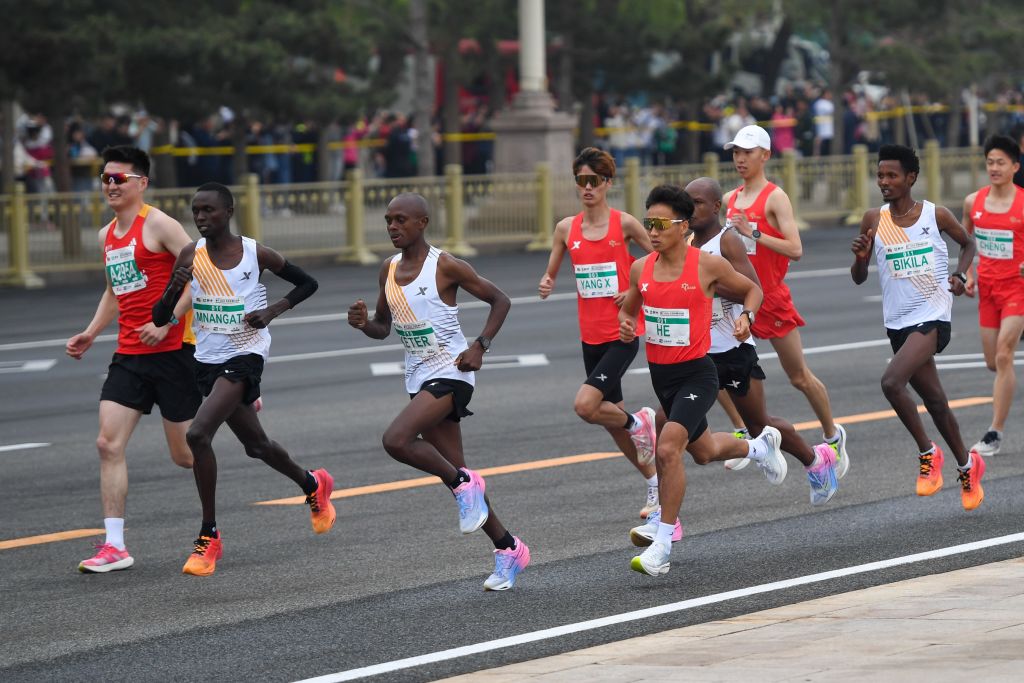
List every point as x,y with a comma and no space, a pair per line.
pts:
736,360
230,316
597,240
904,236
151,364
995,214
762,215
675,285
417,297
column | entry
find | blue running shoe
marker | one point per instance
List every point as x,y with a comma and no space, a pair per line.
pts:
507,566
469,495
823,479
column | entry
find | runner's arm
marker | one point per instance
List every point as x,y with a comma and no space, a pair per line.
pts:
106,313
463,275
735,253
547,281
948,224
862,245
170,304
723,275
379,327
968,222
171,234
630,307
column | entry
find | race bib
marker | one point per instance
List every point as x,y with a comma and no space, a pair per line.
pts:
597,280
995,244
909,259
749,243
667,326
219,314
123,272
418,338
717,310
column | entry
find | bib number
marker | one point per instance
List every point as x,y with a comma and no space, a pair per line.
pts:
909,259
749,243
667,326
995,244
123,272
219,314
597,280
418,338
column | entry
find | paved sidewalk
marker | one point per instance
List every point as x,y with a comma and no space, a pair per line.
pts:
962,625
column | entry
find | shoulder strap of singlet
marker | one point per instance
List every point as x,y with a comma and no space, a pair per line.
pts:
691,269
648,271
733,196
615,226
768,189
979,199
1018,202
576,229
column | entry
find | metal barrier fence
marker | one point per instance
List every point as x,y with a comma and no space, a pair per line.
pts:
57,232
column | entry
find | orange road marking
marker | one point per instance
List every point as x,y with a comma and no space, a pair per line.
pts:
48,538
588,457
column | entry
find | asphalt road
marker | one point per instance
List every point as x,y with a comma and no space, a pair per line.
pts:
394,578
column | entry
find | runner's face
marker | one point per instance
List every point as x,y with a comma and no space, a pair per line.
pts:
705,207
126,194
590,195
1000,167
404,227
666,241
893,181
749,162
211,215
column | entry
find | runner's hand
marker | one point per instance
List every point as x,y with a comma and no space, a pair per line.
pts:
547,283
78,345
627,331
742,225
742,328
259,319
955,285
181,276
619,298
861,246
357,314
151,335
972,285
471,359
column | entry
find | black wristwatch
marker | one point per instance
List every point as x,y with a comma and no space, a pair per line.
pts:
485,343
960,276
750,315
756,234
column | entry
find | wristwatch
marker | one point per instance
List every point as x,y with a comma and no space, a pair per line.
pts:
485,343
960,276
756,234
750,315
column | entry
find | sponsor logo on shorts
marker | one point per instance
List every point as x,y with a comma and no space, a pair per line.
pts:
602,377
735,384
692,397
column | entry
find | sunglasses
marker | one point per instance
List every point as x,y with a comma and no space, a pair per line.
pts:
661,224
590,179
117,178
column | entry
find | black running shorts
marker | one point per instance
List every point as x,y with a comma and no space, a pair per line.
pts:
897,338
686,392
462,394
167,379
606,364
736,367
246,368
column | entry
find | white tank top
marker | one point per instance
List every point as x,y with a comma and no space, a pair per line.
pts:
723,311
428,327
913,269
220,300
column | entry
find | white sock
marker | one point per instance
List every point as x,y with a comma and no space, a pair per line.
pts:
637,424
964,468
664,534
831,439
756,449
653,480
815,463
929,451
115,531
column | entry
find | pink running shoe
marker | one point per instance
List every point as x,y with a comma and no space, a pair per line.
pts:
645,437
473,510
321,509
107,559
645,534
507,566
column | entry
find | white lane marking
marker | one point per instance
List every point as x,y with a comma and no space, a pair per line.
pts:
823,272
974,364
873,298
589,625
968,356
9,366
335,353
807,352
22,446
526,360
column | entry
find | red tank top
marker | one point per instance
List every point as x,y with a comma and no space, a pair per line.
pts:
771,266
138,278
601,269
1000,237
678,314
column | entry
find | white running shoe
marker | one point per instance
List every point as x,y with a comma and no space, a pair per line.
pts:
773,465
839,448
735,464
473,510
651,504
645,534
990,444
654,561
644,438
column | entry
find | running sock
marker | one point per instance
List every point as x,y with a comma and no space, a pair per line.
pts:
652,480
310,485
664,534
756,449
460,479
506,542
208,529
964,468
115,531
834,439
630,421
814,463
930,451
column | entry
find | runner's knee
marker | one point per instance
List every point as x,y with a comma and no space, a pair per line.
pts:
1003,360
891,386
198,439
108,449
395,441
802,381
586,408
259,450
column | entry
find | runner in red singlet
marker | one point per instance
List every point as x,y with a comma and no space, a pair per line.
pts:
151,364
675,286
761,213
597,240
995,215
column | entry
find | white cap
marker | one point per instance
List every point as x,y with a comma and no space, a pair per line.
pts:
751,137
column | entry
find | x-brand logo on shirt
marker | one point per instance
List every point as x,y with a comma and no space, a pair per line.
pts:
926,229
575,244
643,286
977,215
245,275
422,292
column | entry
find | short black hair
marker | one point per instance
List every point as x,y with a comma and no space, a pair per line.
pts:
905,155
674,197
222,191
126,154
1004,143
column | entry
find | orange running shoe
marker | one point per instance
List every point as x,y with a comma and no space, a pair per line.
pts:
971,493
203,560
930,479
321,509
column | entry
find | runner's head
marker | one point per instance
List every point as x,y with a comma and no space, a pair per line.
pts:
898,167
212,209
751,148
707,203
1002,159
407,217
125,176
593,171
669,210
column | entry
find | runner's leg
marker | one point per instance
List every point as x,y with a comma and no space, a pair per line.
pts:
754,414
402,437
1010,329
218,407
917,352
117,422
246,426
177,445
791,357
926,383
738,424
